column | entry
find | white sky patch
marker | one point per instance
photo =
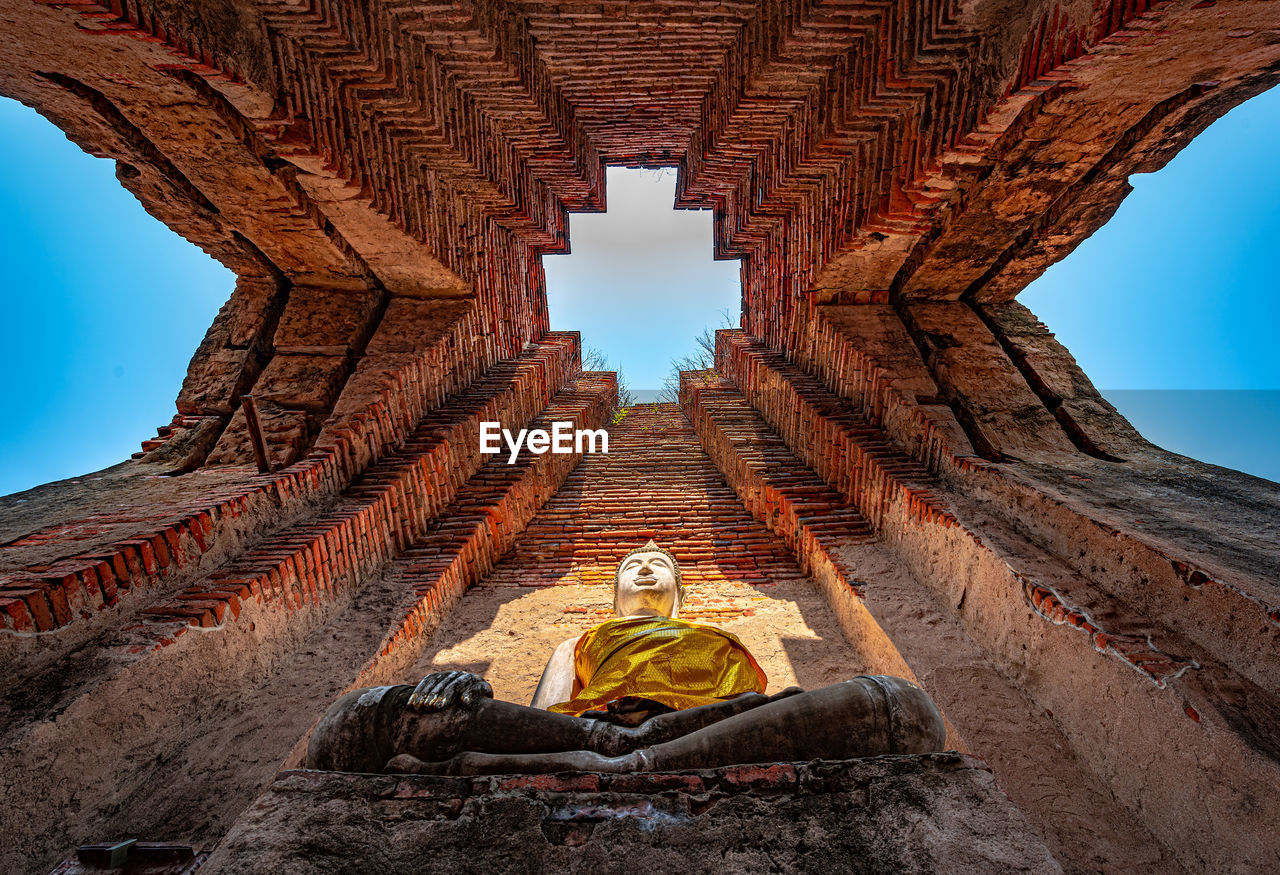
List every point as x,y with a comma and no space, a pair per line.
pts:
641,282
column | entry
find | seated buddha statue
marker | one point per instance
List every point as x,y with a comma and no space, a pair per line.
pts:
644,691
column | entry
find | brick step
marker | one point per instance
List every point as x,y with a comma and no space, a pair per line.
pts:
102,581
310,567
871,483
848,453
1234,616
898,399
384,511
490,512
656,482
775,486
365,643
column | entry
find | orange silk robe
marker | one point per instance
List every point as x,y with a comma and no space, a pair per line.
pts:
675,662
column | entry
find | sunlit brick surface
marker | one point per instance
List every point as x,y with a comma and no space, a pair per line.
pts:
656,482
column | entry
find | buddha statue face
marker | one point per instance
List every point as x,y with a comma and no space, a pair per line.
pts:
648,584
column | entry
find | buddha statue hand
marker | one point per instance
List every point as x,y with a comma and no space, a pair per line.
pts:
443,689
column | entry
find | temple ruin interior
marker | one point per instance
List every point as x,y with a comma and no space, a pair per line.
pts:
893,467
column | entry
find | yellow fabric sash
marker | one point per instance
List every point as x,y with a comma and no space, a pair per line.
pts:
675,662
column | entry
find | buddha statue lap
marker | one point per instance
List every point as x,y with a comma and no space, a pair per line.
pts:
645,691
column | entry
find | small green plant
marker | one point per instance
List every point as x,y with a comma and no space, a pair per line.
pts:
594,359
703,358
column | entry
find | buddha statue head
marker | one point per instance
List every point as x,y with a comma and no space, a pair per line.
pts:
648,583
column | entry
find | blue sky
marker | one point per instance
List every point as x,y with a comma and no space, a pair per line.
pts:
104,305
640,281
1178,296
1180,290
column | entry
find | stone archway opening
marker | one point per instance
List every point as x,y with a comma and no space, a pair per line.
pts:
641,283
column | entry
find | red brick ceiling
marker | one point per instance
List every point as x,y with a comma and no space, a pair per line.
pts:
852,149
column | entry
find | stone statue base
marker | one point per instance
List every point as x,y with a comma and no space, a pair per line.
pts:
920,813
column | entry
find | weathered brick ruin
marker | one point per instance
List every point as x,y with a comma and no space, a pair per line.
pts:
893,468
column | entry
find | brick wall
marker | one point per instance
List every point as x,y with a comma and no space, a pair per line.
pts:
435,494
398,388
1022,573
